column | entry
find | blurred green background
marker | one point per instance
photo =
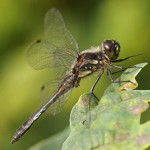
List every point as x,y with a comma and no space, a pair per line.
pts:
21,22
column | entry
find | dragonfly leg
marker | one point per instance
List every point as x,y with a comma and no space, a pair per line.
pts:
92,94
123,59
118,71
111,76
120,67
123,69
93,87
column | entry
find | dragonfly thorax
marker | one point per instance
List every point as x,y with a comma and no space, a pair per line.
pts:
88,62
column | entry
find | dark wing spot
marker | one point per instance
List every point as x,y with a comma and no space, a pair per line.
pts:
42,88
38,41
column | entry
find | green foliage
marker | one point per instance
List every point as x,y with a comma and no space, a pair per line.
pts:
90,22
111,123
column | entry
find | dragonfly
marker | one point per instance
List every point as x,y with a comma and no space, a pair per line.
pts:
59,50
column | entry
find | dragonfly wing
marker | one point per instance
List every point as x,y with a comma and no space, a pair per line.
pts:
47,91
58,48
39,55
59,104
57,34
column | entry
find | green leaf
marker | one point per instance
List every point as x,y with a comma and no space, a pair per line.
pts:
114,122
111,123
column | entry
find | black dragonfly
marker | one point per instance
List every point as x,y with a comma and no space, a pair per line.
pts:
60,50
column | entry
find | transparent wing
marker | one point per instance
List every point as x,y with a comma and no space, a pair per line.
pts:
59,104
59,48
39,55
47,91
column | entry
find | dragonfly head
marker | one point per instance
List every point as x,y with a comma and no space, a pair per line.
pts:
111,49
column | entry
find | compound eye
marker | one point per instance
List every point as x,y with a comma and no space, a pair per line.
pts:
117,46
108,45
111,48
